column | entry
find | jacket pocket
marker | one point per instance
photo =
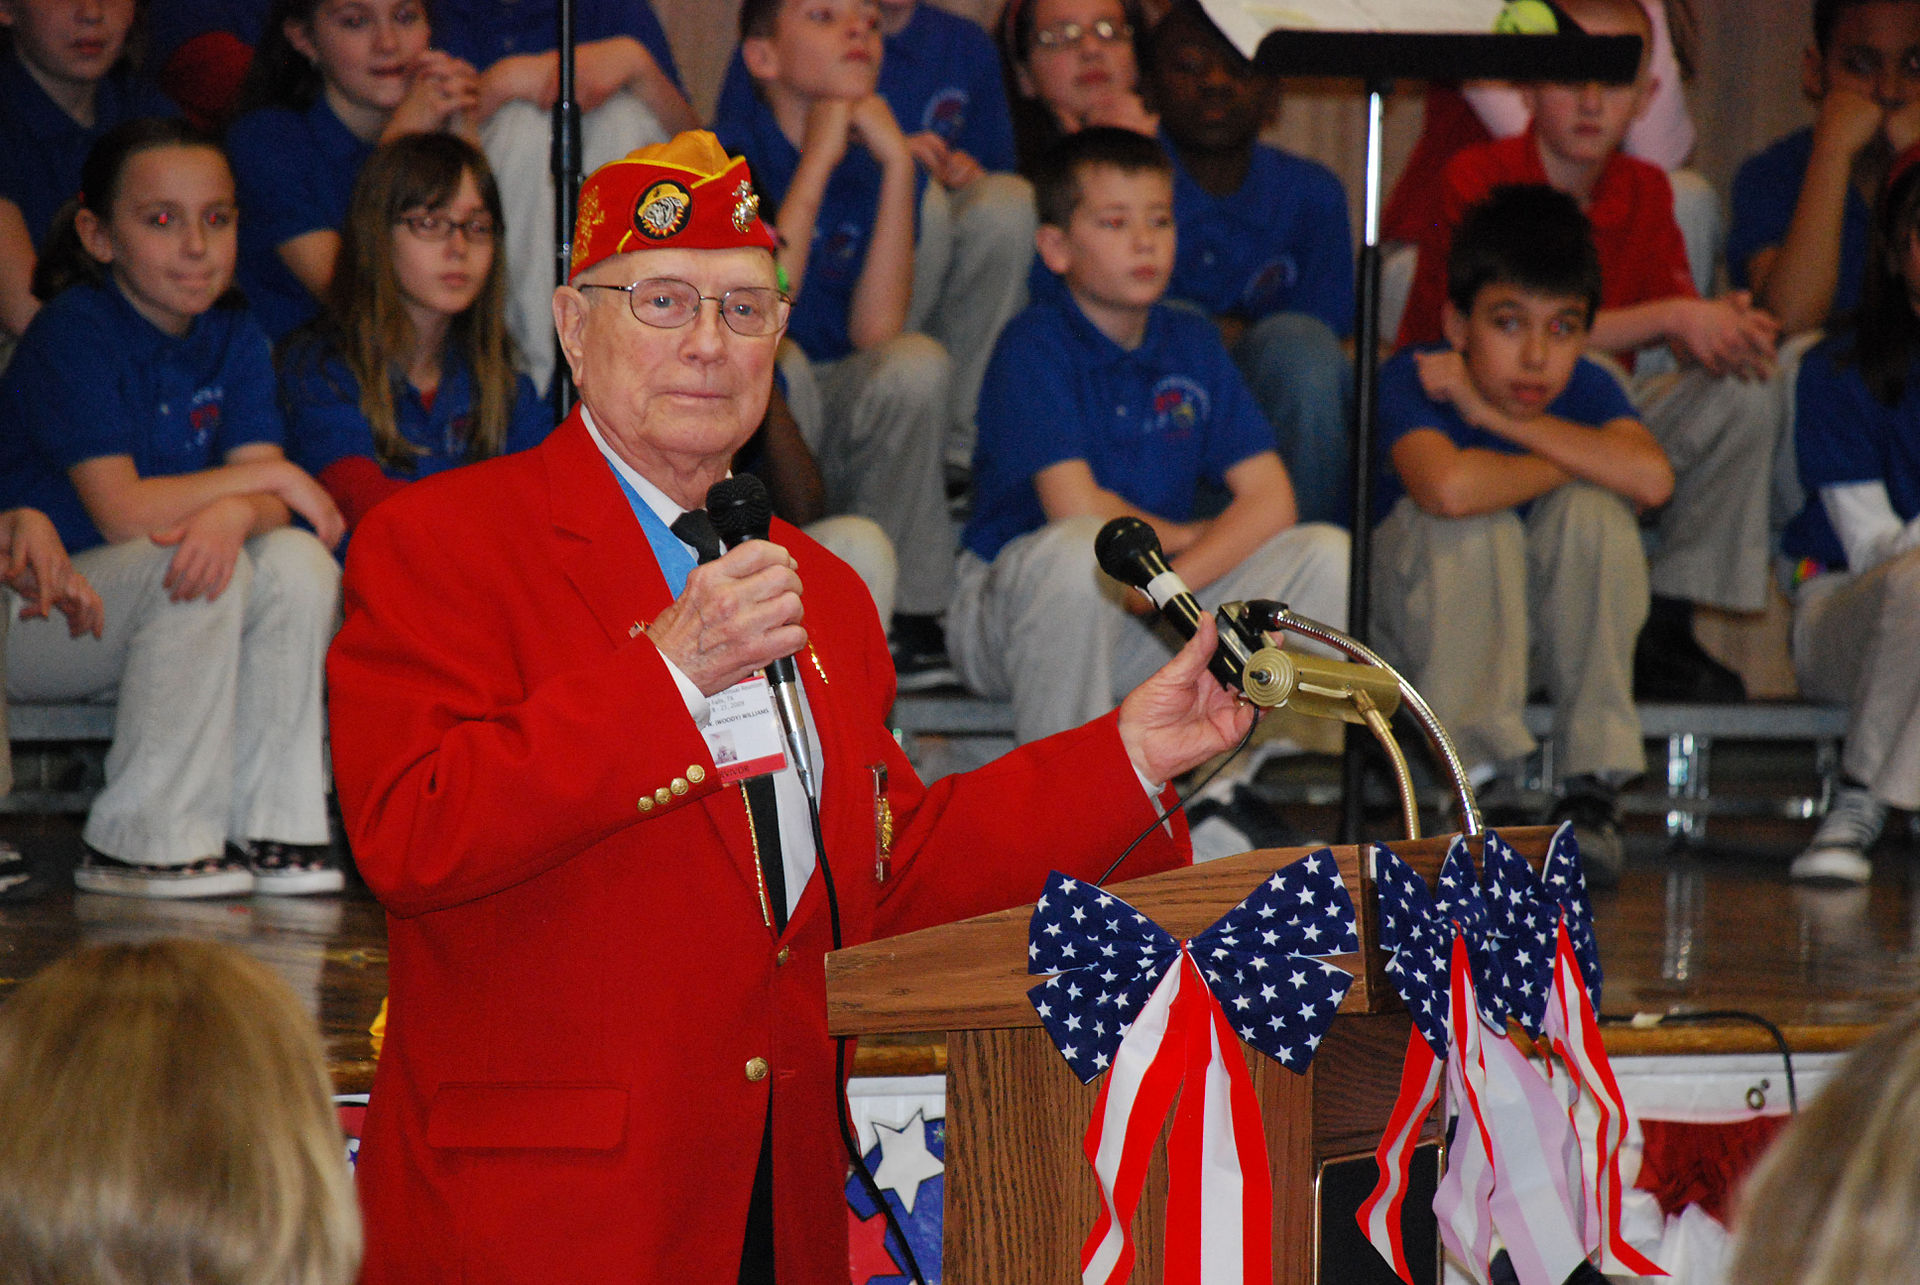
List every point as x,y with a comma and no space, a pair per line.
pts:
587,1117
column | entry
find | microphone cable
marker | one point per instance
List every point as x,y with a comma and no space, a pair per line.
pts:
1182,801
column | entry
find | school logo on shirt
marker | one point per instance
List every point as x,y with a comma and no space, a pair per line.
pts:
203,414
946,113
1180,405
837,249
1269,284
662,210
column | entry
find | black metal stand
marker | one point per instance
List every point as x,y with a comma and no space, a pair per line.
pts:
566,191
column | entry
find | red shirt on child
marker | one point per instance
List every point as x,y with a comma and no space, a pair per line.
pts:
1642,255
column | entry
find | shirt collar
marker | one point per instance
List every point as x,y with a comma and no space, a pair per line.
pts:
27,102
337,142
1099,345
652,496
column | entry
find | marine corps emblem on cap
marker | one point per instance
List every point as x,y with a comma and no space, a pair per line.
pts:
662,210
684,194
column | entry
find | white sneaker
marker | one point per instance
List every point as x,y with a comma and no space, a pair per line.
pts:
1838,853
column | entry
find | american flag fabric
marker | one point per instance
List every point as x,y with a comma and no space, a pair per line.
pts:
1162,1018
1505,943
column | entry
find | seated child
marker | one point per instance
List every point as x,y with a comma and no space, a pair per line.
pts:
1069,64
409,371
1802,208
872,398
166,1116
65,79
628,92
1508,551
1100,402
941,78
1719,418
1264,250
143,424
1856,545
332,80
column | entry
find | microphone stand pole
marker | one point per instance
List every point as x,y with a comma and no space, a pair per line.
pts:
566,189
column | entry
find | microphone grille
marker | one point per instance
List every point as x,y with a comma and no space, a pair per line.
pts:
1124,547
740,508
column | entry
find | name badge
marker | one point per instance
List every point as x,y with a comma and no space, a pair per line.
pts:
743,731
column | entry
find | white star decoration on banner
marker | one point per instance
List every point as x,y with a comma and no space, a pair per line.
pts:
905,1162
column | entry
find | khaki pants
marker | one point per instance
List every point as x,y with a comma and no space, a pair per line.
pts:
1477,610
1857,639
1042,626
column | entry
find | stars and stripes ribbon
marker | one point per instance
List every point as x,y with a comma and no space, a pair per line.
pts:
1161,1018
1465,959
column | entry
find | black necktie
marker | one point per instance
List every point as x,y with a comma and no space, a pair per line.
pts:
694,527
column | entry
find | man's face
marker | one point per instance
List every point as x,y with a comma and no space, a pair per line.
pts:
1584,124
1873,51
1520,347
668,401
1210,97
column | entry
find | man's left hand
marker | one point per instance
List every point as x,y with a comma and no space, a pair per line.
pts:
1182,716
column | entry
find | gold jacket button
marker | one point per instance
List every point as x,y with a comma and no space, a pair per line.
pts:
663,796
785,954
696,774
680,785
756,1070
646,805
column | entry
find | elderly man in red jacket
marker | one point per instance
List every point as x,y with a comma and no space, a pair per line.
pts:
607,1056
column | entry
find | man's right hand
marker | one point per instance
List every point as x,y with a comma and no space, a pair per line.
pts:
737,614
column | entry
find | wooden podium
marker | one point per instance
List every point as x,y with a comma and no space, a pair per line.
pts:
1020,1196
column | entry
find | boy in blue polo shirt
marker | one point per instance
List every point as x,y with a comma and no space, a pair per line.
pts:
1510,553
941,76
1098,402
872,397
1264,249
1801,207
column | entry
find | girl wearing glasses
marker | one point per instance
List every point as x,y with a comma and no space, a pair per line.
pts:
408,371
141,420
332,80
1070,64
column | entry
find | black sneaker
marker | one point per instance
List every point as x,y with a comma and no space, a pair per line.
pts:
221,876
919,648
292,869
1594,811
1670,666
20,880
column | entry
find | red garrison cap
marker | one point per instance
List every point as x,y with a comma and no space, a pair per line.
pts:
684,194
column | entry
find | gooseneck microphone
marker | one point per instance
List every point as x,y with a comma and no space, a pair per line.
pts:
1129,551
742,510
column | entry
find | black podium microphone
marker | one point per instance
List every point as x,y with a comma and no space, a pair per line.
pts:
741,510
1129,551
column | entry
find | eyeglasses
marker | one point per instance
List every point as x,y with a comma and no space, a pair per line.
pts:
667,304
1064,35
431,227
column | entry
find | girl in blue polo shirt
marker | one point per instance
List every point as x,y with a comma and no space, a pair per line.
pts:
1855,545
331,80
141,420
408,371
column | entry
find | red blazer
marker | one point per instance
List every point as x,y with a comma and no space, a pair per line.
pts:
581,977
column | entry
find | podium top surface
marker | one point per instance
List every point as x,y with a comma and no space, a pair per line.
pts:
972,975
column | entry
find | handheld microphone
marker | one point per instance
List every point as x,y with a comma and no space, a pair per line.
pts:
742,510
1129,551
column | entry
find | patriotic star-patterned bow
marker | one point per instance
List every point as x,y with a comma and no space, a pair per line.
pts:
1124,997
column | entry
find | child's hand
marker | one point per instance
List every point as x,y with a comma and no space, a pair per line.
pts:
946,165
298,491
873,124
1848,121
829,126
442,90
531,78
1728,336
1443,377
602,68
38,569
1903,127
206,548
1123,109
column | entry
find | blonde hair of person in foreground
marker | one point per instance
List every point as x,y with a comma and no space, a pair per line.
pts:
166,1117
1836,1199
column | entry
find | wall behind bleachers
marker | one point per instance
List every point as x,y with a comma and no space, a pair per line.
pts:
1745,94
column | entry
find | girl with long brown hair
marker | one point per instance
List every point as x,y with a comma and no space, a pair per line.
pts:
409,370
